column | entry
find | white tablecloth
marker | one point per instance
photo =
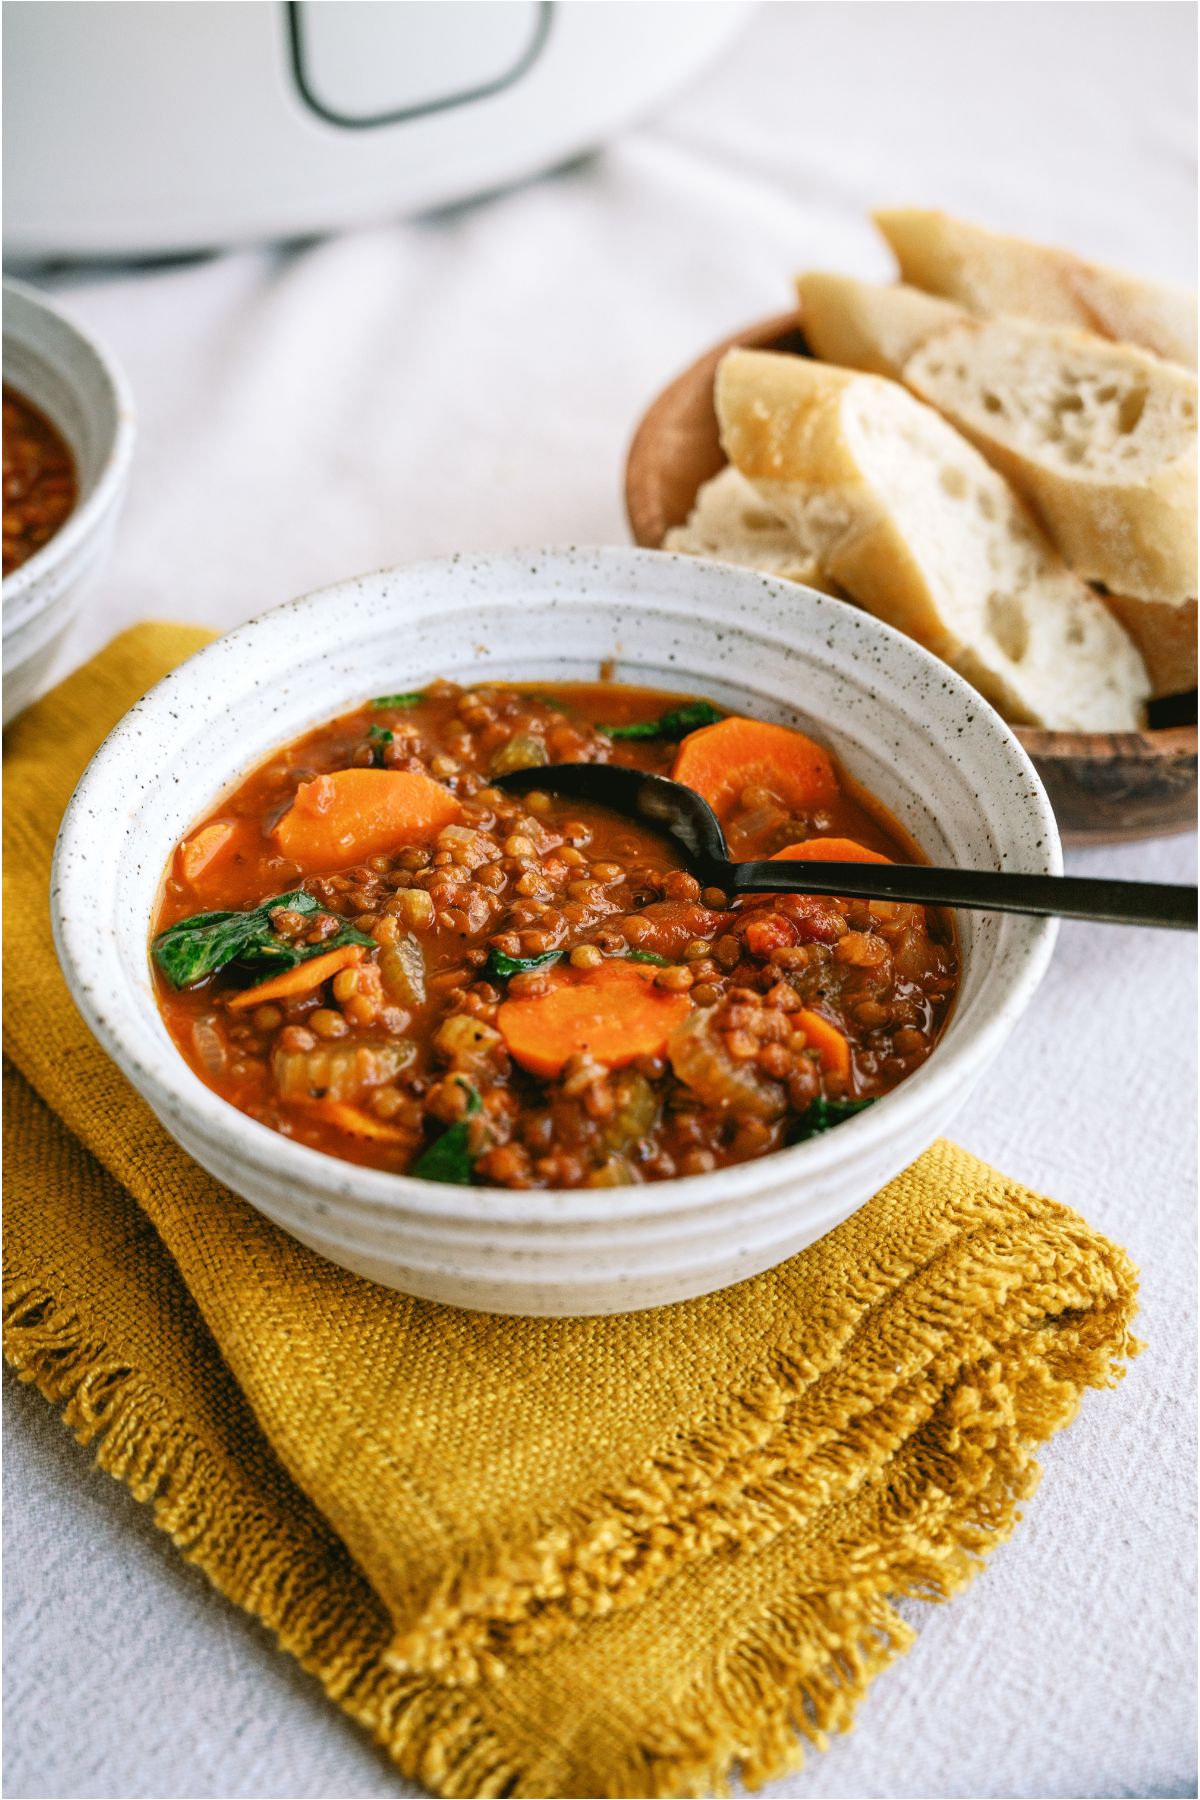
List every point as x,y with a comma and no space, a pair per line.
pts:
471,381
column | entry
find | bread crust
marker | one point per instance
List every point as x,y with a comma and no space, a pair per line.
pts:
862,325
991,273
1166,637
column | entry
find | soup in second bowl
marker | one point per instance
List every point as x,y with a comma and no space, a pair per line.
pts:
40,485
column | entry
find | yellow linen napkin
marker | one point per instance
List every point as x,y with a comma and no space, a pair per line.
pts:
537,1557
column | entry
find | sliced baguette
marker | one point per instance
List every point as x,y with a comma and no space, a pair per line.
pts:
912,521
993,274
1100,437
730,521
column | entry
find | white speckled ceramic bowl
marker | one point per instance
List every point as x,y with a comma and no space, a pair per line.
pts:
75,382
917,736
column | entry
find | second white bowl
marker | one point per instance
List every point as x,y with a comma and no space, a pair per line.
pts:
913,733
53,362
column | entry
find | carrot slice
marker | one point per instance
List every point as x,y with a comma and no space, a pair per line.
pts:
614,1013
197,853
204,860
721,761
339,819
827,1039
358,1123
301,980
829,850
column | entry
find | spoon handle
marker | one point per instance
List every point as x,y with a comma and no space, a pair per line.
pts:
982,890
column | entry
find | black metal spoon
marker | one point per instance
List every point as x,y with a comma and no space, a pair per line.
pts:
682,815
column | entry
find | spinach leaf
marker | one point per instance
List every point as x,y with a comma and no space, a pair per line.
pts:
824,1114
413,699
380,739
502,968
192,948
449,1157
671,726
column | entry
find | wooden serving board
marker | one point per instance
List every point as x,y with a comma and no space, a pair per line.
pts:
1106,787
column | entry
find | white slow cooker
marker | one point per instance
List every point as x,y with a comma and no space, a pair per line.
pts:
151,127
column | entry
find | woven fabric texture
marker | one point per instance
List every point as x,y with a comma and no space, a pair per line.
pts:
627,1555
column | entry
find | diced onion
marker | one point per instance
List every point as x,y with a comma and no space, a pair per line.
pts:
700,1060
635,1115
339,1071
616,1171
207,1044
402,966
521,752
466,1043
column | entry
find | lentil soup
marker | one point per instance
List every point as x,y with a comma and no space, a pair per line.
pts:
39,480
373,951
